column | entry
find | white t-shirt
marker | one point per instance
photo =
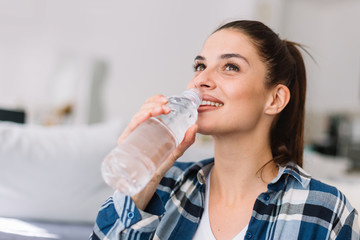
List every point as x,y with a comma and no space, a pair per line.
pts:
204,230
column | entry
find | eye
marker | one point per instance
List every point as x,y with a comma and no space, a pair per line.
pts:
231,67
198,67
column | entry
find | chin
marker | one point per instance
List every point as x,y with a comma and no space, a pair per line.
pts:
205,130
205,126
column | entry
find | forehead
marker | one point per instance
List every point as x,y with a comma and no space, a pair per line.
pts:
229,41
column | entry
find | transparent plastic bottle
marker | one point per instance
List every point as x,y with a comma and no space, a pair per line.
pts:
132,164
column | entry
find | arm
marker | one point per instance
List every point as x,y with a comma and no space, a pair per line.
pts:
153,107
121,214
350,228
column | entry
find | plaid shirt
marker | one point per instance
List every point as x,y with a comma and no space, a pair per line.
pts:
295,206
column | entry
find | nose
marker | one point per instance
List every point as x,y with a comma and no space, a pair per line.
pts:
204,80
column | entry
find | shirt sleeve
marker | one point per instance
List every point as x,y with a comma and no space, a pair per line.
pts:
119,217
350,229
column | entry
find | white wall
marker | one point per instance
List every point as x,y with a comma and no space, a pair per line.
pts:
48,49
149,47
331,33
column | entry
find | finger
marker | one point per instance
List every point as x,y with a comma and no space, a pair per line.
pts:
157,98
153,107
159,110
134,123
156,107
188,140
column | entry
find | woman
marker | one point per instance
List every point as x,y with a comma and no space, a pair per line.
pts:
253,86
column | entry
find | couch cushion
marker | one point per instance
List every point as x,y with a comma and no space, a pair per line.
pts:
53,173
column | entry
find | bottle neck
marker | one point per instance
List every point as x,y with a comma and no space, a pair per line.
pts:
194,95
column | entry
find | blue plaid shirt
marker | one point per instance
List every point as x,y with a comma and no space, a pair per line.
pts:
295,206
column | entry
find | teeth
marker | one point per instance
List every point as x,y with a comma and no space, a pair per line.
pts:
211,103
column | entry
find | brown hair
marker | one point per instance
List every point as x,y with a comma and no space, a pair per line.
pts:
286,66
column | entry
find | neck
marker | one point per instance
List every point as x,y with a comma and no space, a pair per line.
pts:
242,165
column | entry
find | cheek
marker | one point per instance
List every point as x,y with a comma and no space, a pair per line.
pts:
247,103
243,94
191,84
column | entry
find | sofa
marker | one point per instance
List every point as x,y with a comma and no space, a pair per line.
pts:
51,186
50,181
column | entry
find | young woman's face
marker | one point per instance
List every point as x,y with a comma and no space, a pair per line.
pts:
231,77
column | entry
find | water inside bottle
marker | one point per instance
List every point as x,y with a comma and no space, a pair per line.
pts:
131,165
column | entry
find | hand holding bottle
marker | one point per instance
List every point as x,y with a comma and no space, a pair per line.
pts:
155,138
153,107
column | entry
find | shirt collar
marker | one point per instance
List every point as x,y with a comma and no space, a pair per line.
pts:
201,169
291,169
294,170
203,173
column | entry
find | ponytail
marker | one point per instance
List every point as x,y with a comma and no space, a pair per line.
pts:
287,135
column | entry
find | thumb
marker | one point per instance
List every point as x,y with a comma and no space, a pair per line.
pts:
188,140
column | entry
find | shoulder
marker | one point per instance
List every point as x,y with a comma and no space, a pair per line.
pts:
328,198
321,203
317,187
321,194
315,192
328,204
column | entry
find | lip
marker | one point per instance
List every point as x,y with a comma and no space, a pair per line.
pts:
205,108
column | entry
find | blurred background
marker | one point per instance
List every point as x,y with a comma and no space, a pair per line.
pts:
76,62
101,59
82,62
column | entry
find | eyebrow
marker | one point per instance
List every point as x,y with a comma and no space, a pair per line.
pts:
224,56
233,55
198,57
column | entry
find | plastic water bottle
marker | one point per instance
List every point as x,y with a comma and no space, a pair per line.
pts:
132,164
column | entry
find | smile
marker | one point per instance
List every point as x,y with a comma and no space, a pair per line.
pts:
209,103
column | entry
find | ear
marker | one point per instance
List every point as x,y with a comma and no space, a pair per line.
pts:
278,99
